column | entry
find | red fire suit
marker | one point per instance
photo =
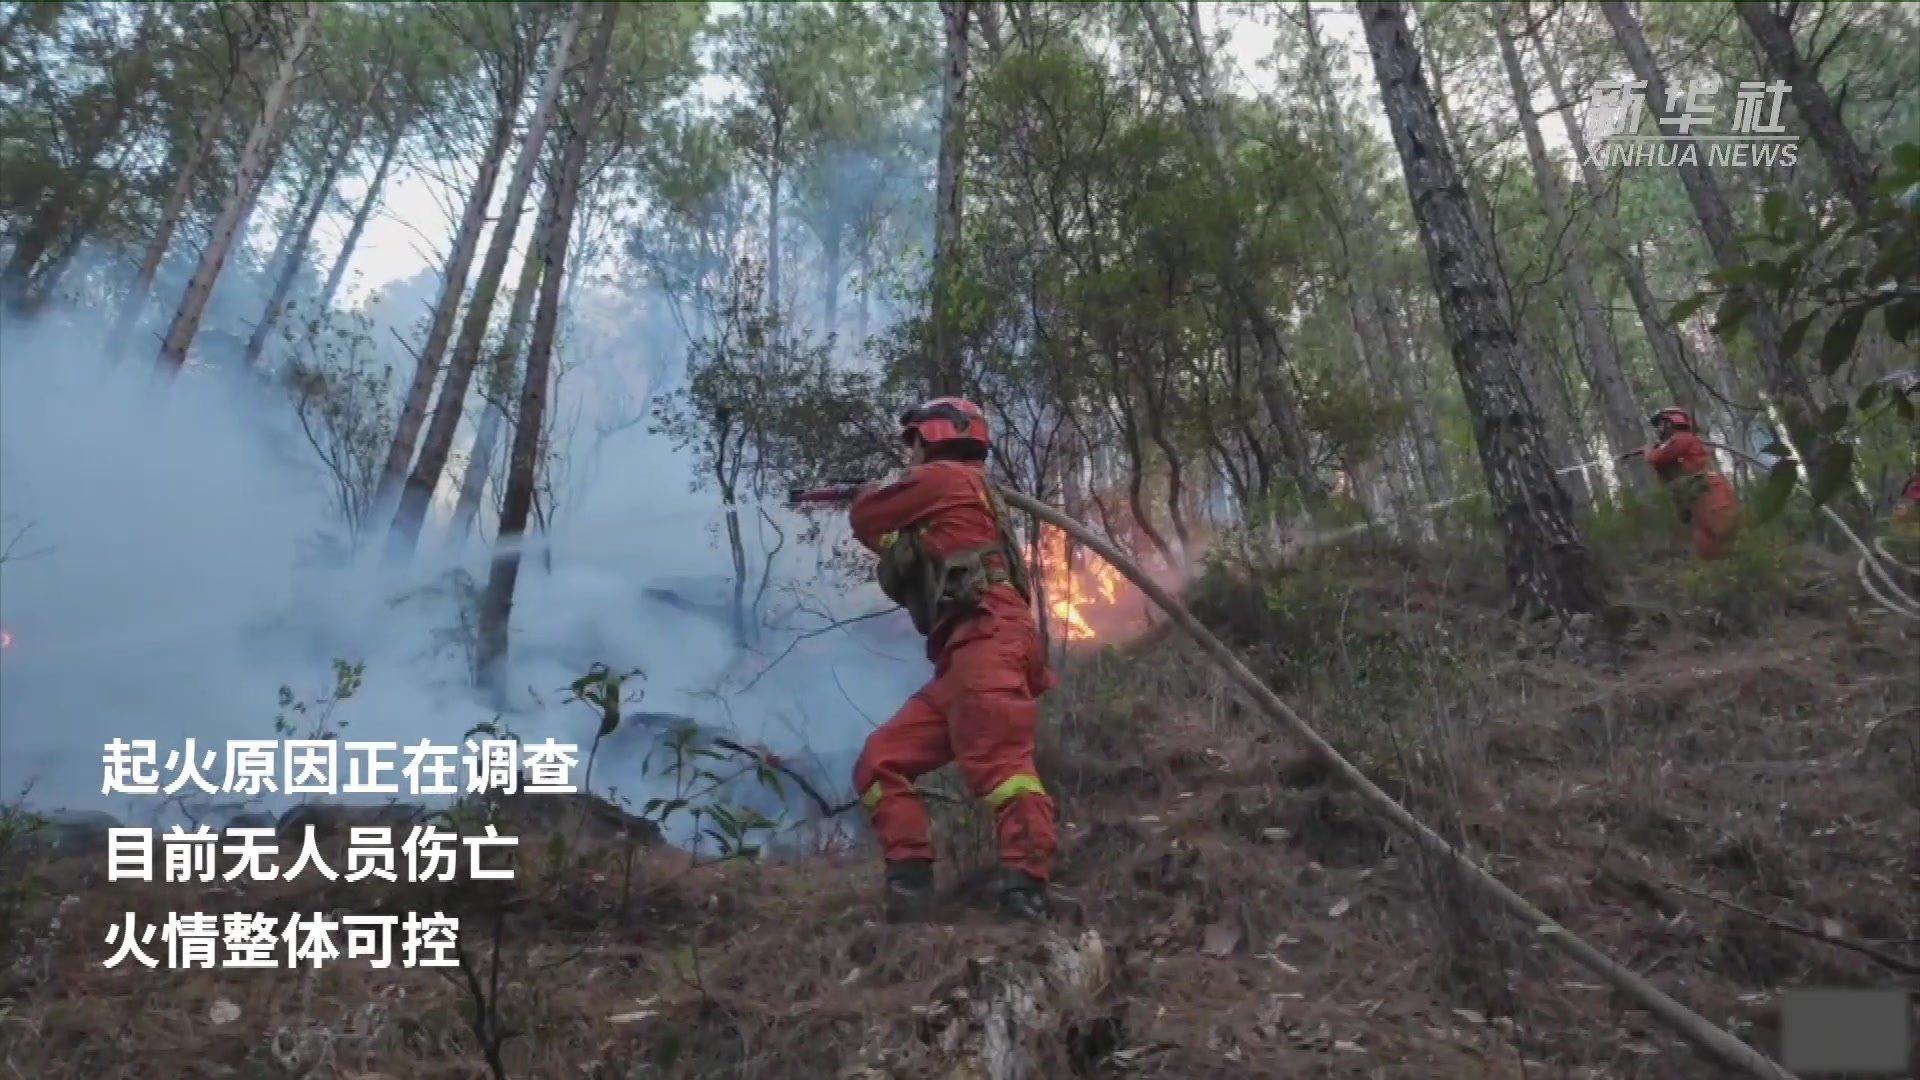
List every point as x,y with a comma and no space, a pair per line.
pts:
1907,512
1706,500
980,708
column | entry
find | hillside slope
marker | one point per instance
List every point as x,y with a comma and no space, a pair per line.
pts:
1702,787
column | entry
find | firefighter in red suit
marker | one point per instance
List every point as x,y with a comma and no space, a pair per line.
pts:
1906,515
949,556
1704,498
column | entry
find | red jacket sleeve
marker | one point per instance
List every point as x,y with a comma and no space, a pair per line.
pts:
892,505
1674,449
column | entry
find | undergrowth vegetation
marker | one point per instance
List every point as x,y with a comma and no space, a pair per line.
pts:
1717,780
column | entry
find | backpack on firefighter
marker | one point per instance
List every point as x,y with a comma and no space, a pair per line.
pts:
935,589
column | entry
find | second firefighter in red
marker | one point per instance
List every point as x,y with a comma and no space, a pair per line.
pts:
1705,500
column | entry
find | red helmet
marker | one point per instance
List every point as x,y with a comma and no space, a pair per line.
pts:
1674,415
945,419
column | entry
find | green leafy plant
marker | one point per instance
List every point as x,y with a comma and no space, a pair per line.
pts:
1844,267
318,713
1747,590
698,771
22,835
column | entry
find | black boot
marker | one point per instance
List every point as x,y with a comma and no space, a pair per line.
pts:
909,890
1023,897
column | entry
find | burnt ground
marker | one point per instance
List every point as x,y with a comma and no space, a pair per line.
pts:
1717,782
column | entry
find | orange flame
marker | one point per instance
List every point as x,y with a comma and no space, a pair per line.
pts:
1078,593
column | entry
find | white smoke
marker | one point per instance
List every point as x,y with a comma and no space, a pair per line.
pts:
160,592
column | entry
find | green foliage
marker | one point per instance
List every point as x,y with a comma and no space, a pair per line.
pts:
1748,588
1096,267
1301,615
1099,293
345,407
23,892
602,689
688,227
763,412
317,715
697,770
1848,269
1633,524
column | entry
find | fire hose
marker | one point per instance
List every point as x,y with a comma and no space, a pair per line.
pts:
1694,1027
1874,559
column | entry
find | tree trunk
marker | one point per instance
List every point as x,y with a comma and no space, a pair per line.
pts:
1620,413
1008,1007
987,14
296,254
1784,380
252,173
1387,363
134,304
727,473
303,197
1541,385
437,445
775,174
863,315
1136,461
1852,173
466,244
1421,380
505,363
1668,351
946,374
1176,488
832,273
338,274
496,604
276,150
1548,567
473,482
1248,297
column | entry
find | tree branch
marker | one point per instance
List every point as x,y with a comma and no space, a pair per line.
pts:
1879,956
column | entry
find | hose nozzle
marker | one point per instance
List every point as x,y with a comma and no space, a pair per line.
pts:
831,494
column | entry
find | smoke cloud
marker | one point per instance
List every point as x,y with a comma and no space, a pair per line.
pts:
161,591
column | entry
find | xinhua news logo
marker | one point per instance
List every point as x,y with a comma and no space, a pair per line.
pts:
1689,131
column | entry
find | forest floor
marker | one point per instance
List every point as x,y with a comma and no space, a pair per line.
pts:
1743,734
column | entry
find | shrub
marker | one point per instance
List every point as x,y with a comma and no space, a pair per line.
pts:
1750,586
